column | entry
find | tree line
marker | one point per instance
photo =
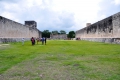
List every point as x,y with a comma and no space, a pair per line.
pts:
46,33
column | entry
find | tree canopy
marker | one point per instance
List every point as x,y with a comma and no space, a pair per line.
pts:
62,32
46,33
55,32
71,34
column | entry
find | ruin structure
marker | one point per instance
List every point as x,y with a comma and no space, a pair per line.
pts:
88,24
106,30
58,36
11,31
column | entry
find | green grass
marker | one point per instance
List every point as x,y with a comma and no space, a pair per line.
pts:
60,60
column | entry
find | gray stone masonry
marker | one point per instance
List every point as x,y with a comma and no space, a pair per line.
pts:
7,40
58,36
106,30
14,31
104,40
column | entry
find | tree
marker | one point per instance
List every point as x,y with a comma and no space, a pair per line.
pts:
46,33
71,34
55,32
62,32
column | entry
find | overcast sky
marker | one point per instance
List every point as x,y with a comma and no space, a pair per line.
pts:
59,15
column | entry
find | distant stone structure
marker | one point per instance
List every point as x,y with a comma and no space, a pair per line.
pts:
88,24
58,36
11,31
106,30
31,24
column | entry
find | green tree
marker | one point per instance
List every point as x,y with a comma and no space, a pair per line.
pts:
46,33
71,34
55,32
62,32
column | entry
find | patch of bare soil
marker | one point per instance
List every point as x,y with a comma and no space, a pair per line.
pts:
2,46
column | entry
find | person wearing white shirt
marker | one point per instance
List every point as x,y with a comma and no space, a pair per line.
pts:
23,41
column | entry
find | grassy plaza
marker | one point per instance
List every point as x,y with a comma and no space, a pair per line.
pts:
60,60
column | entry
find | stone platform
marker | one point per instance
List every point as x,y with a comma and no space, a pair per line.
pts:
104,40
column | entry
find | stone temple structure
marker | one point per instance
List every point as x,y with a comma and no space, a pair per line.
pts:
106,30
11,31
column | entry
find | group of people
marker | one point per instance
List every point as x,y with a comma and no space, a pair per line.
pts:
43,40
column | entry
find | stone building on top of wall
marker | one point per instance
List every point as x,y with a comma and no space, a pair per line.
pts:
32,24
88,24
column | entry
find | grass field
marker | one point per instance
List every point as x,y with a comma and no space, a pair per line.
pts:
60,60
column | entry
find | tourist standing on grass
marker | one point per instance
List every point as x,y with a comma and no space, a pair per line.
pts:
45,40
23,41
32,41
42,40
37,40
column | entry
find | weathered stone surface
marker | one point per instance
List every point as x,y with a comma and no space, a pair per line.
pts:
10,30
105,40
58,36
105,30
32,24
7,40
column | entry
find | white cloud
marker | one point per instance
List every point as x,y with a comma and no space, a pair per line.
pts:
84,10
117,2
10,16
57,14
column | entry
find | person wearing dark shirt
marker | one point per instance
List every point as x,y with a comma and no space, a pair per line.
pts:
42,40
45,40
32,41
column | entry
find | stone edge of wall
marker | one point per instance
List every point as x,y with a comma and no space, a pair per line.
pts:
104,40
7,40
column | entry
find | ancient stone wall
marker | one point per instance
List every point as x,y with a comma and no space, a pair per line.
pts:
116,25
108,28
58,36
32,24
13,30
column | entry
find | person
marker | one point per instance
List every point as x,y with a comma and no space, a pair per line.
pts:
23,41
42,40
37,40
45,40
32,41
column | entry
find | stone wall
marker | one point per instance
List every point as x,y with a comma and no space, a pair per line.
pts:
58,36
105,40
7,40
11,30
32,24
116,25
108,28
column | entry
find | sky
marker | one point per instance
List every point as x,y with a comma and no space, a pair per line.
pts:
67,15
